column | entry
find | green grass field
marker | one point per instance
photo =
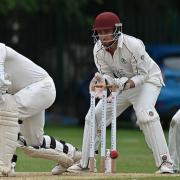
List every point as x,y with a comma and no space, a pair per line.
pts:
135,156
134,153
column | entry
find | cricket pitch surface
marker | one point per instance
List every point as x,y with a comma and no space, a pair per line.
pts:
79,176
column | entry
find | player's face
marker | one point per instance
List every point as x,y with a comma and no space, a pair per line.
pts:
106,36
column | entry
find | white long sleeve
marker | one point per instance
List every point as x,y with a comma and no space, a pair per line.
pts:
2,59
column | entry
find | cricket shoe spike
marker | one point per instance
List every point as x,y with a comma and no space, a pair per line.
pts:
165,168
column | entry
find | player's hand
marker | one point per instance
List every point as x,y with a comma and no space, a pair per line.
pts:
100,80
120,83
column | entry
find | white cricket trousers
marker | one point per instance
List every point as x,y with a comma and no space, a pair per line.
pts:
32,102
141,97
174,140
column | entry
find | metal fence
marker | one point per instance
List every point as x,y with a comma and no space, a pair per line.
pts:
65,50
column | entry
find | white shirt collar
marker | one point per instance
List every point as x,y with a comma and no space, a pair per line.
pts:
120,40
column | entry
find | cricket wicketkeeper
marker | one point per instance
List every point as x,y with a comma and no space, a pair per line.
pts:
122,60
26,90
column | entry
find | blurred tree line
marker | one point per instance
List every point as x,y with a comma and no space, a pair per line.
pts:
56,34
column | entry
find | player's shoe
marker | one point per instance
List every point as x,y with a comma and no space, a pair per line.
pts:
77,168
12,172
59,169
166,167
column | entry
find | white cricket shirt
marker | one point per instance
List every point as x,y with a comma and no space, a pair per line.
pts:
130,60
19,70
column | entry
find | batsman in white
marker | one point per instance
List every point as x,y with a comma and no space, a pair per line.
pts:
122,60
26,90
174,141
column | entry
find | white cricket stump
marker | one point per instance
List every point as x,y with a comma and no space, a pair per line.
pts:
92,130
113,131
103,128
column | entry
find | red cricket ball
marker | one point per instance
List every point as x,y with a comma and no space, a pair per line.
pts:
114,154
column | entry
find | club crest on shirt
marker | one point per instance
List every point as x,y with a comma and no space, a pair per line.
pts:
123,61
151,113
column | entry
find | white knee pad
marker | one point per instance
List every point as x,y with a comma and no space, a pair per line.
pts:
8,132
149,123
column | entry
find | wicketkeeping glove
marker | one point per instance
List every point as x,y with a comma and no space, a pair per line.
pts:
100,80
120,83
